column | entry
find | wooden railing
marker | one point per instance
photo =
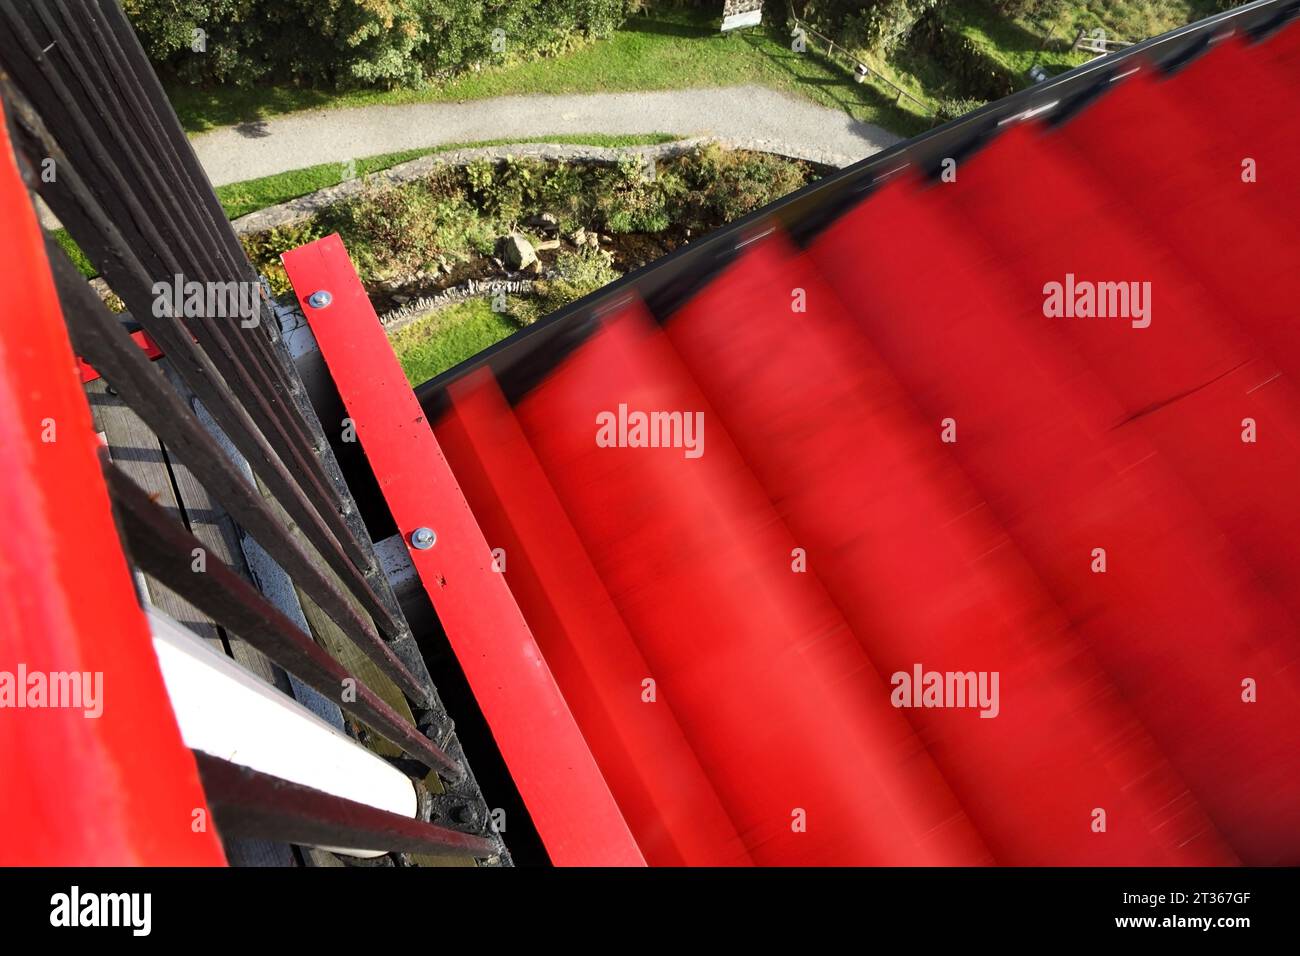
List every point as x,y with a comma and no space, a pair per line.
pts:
95,137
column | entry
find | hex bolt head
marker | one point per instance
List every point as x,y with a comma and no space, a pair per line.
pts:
318,300
423,538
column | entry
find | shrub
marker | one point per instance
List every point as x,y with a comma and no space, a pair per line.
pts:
573,275
951,107
728,184
504,189
264,248
234,37
353,43
877,25
628,199
395,231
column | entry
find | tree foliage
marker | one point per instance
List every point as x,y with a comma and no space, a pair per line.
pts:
344,44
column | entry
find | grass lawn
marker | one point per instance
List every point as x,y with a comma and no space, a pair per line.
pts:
1015,43
662,50
448,337
667,49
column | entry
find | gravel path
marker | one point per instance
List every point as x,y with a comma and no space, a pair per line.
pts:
752,113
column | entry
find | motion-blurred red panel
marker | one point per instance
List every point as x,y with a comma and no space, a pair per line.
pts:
925,574
1177,620
786,713
661,788
907,460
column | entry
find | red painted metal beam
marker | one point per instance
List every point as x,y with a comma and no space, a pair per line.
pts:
119,788
568,798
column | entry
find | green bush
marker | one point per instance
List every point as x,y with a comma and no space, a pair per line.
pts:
969,68
724,185
504,189
264,248
951,107
574,274
876,25
359,43
629,199
395,231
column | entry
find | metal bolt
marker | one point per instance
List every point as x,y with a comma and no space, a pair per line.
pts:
318,300
423,538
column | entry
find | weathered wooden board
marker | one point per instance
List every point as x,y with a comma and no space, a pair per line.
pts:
136,450
209,523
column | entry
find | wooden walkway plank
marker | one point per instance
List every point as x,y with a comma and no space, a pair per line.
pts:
210,523
136,450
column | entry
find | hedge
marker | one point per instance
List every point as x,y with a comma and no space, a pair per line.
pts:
344,44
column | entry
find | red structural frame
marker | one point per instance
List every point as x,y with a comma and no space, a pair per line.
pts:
566,795
147,345
120,789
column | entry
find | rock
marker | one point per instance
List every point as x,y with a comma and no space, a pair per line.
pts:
548,244
516,251
593,241
535,267
579,237
545,222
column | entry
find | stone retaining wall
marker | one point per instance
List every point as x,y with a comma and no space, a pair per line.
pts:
304,207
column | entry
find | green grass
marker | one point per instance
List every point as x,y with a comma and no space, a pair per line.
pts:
1017,44
663,50
430,346
74,252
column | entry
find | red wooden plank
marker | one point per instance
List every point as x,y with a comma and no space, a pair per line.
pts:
569,801
150,348
119,788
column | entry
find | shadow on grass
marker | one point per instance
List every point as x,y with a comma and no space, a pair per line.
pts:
202,109
845,93
672,27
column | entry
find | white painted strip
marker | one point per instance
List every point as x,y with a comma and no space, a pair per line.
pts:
225,711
